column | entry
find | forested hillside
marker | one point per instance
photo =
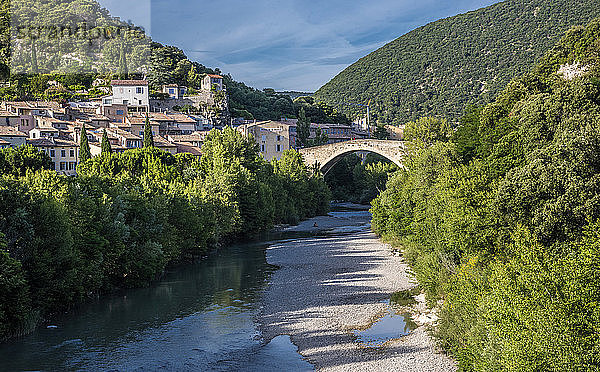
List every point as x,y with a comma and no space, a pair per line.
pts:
445,66
500,220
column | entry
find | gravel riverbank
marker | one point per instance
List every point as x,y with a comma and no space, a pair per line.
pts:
329,285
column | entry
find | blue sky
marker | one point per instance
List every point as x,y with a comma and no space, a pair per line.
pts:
283,44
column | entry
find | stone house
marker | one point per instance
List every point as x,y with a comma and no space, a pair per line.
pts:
9,119
174,91
13,136
63,152
272,137
131,93
212,81
44,132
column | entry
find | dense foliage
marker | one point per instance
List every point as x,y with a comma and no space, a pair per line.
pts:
445,66
357,181
126,216
500,221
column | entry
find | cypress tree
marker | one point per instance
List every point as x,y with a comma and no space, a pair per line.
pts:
106,148
84,146
303,129
148,137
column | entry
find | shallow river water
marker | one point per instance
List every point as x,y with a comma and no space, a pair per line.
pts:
198,317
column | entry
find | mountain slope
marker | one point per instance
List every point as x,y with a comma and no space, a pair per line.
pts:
441,68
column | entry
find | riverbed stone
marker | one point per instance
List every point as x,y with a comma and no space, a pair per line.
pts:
327,286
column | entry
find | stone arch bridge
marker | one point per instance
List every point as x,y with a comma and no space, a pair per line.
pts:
327,156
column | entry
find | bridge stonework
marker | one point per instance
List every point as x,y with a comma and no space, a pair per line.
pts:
328,155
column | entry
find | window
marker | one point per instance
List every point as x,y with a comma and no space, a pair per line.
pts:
278,148
171,91
278,138
139,90
262,147
62,165
72,153
54,165
63,153
52,153
119,112
264,137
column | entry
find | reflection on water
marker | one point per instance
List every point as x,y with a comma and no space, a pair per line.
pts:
200,317
392,325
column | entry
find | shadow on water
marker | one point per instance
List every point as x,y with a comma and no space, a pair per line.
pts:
197,317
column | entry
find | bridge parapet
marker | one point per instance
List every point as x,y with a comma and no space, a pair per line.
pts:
328,155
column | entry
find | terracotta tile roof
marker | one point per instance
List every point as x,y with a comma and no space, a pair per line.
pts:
194,137
215,76
188,148
129,83
159,116
121,133
7,113
45,142
181,118
11,131
35,105
46,129
3,142
161,142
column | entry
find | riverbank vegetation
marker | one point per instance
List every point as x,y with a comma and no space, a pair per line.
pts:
500,219
359,182
127,216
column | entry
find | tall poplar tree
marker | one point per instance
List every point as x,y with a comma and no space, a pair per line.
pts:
148,137
84,146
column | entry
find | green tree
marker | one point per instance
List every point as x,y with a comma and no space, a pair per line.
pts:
428,130
321,138
17,161
105,145
148,136
15,303
380,132
84,147
302,129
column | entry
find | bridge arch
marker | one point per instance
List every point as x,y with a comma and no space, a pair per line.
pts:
327,156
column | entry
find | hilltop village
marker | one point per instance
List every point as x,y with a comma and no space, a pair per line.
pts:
55,128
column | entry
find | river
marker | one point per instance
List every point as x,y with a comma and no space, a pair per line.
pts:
235,311
199,317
